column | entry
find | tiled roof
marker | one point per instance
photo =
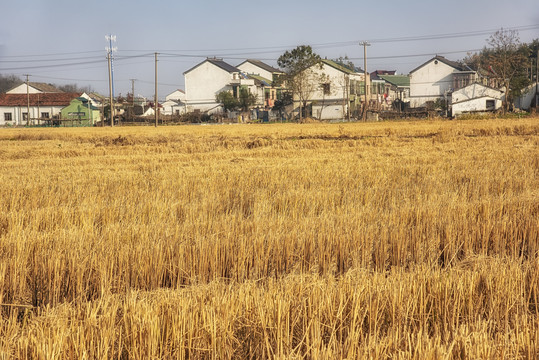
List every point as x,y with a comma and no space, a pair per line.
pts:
44,99
338,66
223,65
46,88
453,64
219,63
397,80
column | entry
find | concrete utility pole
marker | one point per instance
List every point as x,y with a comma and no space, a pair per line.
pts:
133,100
537,81
27,101
110,49
110,92
156,104
365,44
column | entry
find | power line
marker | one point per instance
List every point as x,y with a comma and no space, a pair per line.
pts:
273,49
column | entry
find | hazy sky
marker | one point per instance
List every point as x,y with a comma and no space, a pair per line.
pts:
61,41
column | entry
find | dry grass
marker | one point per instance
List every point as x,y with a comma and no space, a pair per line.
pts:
409,240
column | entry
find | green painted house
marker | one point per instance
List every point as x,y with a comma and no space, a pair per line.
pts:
81,112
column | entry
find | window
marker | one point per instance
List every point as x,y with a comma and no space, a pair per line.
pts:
8,117
45,115
491,105
327,89
25,116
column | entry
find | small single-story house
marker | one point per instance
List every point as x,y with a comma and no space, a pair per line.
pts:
43,106
476,98
81,112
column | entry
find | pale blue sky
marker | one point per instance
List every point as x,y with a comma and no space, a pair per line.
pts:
40,37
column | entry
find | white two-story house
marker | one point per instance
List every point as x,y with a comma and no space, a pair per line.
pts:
336,90
436,79
207,79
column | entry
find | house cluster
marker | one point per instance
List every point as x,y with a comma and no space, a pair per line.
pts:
339,91
39,104
342,90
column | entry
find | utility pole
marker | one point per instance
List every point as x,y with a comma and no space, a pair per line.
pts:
133,100
537,81
110,91
365,44
156,104
110,49
27,101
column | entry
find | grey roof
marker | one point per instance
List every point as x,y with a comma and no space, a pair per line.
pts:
262,65
453,64
219,63
223,65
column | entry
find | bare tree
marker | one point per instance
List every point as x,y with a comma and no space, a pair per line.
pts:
506,60
8,81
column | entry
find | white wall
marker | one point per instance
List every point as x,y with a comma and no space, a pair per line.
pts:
250,68
475,91
171,107
21,89
17,113
430,82
176,95
474,105
330,105
203,83
527,98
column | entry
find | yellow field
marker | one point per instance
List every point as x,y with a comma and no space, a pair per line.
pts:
408,240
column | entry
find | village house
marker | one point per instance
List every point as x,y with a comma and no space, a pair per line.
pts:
80,111
207,79
42,106
436,79
397,87
174,103
476,98
337,92
266,78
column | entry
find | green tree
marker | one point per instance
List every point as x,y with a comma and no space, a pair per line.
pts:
228,100
282,102
246,99
300,77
